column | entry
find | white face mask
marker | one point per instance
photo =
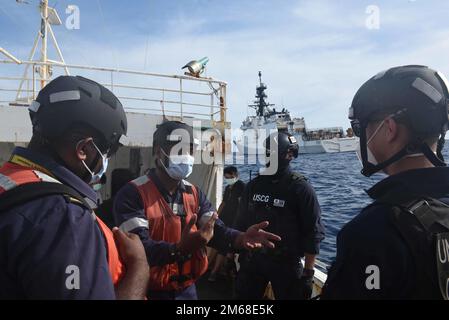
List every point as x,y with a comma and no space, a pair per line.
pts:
96,177
179,166
231,181
371,158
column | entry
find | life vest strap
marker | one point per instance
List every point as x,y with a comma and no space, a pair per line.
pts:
31,191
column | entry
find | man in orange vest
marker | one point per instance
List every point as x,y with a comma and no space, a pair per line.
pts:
52,246
175,220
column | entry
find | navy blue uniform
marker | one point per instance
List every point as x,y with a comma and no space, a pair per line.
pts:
130,215
371,239
231,199
42,241
292,208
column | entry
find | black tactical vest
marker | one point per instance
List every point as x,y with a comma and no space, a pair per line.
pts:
271,200
424,225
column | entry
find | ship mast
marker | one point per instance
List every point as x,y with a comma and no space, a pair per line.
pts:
261,104
44,30
49,17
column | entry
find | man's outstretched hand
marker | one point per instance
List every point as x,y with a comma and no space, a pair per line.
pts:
256,237
192,241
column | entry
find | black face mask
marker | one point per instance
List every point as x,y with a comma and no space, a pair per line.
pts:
283,163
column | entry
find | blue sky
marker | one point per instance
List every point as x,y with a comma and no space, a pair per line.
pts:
314,55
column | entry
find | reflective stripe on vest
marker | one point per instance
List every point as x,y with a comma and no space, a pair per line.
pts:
13,175
165,225
6,183
134,223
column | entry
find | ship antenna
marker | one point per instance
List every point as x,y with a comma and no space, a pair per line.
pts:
260,77
49,17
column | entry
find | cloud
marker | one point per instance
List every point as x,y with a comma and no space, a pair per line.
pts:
314,55
328,14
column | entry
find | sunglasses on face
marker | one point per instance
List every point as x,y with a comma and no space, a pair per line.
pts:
356,127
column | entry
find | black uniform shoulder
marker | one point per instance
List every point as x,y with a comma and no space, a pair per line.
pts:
39,211
240,184
297,177
372,228
300,185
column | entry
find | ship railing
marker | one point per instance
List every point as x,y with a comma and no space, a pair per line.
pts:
156,93
327,129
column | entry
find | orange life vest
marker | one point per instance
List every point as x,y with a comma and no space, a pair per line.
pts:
12,175
165,225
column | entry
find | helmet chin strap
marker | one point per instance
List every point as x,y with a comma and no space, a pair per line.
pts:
440,145
369,169
436,159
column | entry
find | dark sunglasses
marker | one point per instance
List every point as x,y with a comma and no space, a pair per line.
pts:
356,127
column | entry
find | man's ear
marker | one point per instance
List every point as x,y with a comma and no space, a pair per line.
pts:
289,156
392,129
157,153
81,148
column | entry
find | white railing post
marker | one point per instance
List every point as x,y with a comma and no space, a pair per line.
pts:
112,81
212,105
223,105
180,97
34,83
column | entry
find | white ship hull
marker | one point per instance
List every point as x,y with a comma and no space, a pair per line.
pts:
335,145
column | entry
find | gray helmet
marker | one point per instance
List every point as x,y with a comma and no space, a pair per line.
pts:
418,94
72,100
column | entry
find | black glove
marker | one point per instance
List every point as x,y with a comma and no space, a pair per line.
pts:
306,286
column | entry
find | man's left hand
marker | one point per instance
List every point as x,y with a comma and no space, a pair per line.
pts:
306,286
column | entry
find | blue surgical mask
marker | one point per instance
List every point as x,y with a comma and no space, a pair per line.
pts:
96,177
179,166
231,181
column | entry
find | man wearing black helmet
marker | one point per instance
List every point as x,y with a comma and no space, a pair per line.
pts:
175,220
289,203
52,246
396,248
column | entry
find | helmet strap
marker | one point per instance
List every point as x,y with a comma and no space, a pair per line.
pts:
369,169
435,159
440,145
88,173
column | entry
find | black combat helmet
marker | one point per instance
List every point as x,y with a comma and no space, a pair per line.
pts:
416,94
284,143
68,101
170,133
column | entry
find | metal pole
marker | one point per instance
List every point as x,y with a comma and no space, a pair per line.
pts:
34,83
112,81
44,28
180,97
33,50
162,104
223,104
58,50
212,106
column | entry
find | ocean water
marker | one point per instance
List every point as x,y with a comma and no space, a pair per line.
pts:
340,188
